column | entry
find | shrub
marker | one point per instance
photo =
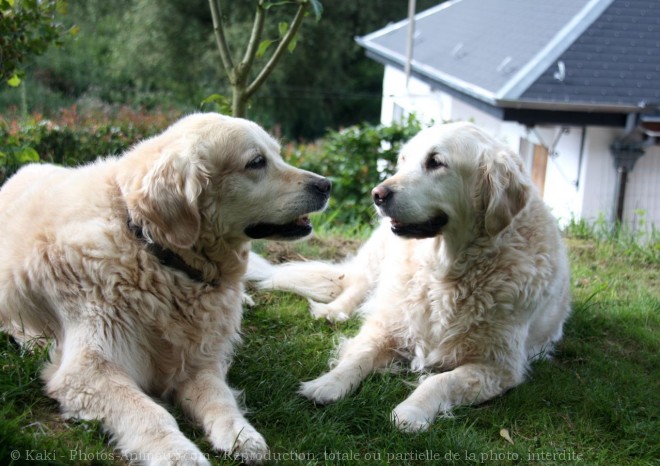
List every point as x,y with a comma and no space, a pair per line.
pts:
356,159
74,138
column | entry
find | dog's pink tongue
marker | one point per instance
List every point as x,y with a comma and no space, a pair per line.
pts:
302,221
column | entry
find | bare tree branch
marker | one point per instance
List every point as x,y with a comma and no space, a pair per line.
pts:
255,38
225,54
284,43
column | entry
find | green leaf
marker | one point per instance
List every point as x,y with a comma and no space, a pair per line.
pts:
27,155
213,98
61,7
263,46
74,30
283,28
292,45
14,81
221,102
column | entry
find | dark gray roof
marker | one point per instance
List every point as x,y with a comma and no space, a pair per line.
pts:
615,61
506,53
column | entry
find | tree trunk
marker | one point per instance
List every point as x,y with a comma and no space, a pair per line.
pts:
239,102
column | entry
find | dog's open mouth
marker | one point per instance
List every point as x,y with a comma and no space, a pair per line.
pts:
428,229
299,228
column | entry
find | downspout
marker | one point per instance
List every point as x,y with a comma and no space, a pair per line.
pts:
583,137
625,152
620,193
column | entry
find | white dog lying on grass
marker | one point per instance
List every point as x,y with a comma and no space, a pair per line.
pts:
134,267
467,276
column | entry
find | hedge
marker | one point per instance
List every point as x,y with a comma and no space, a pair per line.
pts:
73,137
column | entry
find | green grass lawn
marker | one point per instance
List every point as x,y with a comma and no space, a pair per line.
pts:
595,403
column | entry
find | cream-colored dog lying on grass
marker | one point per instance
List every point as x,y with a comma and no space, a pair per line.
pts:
467,278
134,267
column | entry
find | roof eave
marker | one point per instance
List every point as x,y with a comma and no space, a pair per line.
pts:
404,22
387,57
566,106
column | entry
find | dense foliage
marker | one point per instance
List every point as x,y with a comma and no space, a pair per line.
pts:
73,138
27,27
162,53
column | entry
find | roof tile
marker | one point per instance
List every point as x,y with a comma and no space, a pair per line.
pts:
615,61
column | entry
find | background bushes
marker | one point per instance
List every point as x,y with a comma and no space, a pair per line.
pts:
356,159
73,138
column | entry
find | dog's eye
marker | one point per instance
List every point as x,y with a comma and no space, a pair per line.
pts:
257,162
433,162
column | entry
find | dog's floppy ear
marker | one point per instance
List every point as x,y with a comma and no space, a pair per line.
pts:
167,200
504,190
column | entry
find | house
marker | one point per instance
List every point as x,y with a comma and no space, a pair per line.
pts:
572,85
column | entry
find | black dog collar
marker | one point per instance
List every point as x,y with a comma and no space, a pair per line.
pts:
165,256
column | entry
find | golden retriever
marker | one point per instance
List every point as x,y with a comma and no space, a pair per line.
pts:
467,276
133,266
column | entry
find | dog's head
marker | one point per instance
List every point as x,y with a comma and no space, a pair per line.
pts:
452,178
220,177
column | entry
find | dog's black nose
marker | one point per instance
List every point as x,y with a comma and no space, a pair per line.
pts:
323,185
380,194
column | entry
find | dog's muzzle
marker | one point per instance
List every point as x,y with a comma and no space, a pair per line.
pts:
382,197
318,193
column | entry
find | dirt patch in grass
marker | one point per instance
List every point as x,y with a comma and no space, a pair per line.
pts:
330,249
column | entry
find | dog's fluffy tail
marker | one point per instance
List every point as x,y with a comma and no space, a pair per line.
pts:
258,268
316,280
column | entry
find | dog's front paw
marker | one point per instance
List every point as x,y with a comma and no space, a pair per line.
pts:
327,311
247,300
177,459
409,417
252,449
326,389
244,443
174,450
187,459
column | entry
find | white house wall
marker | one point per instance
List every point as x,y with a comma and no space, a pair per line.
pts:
417,98
600,174
594,196
642,202
563,190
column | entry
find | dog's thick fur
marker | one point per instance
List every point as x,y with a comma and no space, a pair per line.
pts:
77,266
466,276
